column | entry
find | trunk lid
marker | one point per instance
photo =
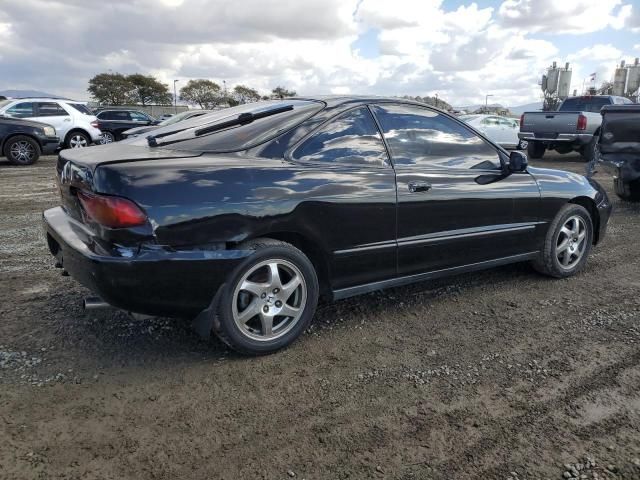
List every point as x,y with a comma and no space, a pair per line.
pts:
76,167
549,124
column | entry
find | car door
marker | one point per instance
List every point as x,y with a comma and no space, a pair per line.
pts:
456,206
350,198
56,116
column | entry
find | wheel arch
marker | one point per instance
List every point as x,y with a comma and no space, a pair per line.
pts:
79,130
311,249
19,134
590,206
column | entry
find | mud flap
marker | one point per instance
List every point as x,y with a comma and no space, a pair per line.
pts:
207,320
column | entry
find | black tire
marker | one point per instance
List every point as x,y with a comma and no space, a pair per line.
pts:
266,250
548,262
77,139
22,150
590,151
535,149
628,191
107,137
522,145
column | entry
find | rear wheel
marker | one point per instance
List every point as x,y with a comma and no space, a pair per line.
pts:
22,150
77,140
629,191
567,243
269,300
107,137
535,149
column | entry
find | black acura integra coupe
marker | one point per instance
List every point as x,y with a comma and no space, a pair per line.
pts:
245,216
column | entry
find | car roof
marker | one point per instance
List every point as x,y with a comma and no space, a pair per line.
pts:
45,99
336,100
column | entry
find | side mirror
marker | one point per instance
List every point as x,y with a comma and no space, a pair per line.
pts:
517,161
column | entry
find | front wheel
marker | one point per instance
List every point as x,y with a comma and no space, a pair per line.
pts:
269,300
535,149
567,243
22,150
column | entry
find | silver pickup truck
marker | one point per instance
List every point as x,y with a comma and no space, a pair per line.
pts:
574,127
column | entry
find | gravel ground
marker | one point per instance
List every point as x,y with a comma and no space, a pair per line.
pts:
501,374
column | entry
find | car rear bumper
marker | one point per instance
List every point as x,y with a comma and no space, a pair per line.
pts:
153,280
579,138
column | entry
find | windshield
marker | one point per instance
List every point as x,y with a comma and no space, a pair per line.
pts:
175,118
584,104
222,131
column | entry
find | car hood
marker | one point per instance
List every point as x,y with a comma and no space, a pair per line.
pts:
140,130
22,122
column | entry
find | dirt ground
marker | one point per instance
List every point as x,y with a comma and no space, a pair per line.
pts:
500,374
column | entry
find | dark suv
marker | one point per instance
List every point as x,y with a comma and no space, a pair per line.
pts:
23,141
113,122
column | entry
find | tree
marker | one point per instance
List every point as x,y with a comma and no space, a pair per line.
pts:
147,90
202,92
242,94
110,88
282,92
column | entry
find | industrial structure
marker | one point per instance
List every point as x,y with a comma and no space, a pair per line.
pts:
626,80
555,86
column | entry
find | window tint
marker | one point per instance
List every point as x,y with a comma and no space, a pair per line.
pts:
81,108
138,116
423,137
351,138
114,115
21,110
183,135
51,109
584,104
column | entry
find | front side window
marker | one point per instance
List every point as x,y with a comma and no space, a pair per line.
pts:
51,109
352,138
139,117
21,110
422,137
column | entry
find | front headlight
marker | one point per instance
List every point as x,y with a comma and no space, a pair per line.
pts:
50,131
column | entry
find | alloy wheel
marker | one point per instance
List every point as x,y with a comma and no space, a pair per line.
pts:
269,300
106,138
78,141
523,144
22,152
571,242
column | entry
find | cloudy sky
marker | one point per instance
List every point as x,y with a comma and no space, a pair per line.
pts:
458,49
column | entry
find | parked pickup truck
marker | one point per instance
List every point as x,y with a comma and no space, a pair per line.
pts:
619,147
575,126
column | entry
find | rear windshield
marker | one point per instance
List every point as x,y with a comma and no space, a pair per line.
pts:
184,135
81,108
584,104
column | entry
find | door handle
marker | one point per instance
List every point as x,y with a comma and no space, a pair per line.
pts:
415,187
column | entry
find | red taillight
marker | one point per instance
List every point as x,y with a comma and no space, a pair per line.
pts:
522,119
113,212
95,124
582,122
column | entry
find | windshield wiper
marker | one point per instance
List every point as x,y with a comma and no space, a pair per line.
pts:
242,119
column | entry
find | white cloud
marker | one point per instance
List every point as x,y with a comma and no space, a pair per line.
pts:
566,16
309,46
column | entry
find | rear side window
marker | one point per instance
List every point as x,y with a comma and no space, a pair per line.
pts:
584,104
81,108
426,138
138,116
189,134
352,138
120,115
51,109
21,110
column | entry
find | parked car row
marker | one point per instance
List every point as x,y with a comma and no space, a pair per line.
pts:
30,127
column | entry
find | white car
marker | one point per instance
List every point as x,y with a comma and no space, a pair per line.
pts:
75,124
502,130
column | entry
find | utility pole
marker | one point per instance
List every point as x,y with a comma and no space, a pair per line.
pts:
436,100
224,83
175,97
486,102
